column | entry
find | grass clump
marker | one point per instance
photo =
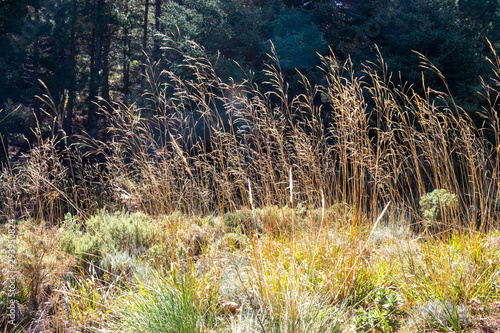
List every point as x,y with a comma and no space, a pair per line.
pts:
278,220
120,266
39,266
184,304
41,262
309,318
444,316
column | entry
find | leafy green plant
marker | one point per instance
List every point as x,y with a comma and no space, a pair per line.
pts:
68,231
110,233
384,318
437,206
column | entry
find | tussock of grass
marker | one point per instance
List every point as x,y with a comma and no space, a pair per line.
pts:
443,316
170,304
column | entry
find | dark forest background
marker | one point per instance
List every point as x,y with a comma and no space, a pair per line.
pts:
84,50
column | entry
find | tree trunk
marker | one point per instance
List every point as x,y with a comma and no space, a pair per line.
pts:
4,150
156,50
58,84
94,79
36,66
126,65
144,46
68,116
105,62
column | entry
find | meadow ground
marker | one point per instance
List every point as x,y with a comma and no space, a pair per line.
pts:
317,271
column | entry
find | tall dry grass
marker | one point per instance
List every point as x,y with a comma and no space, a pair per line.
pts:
202,145
311,175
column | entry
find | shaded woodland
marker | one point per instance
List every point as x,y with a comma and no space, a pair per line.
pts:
85,50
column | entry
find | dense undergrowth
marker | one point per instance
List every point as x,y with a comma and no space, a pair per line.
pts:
229,207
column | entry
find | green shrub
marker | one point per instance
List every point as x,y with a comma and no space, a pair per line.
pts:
233,240
338,212
110,233
242,220
68,232
437,206
279,220
270,218
384,318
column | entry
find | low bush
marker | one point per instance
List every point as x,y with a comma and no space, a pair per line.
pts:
385,317
437,208
133,233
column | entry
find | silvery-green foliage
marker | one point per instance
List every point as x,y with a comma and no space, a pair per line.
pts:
444,316
437,205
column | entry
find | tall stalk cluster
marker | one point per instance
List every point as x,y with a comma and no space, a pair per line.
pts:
203,144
